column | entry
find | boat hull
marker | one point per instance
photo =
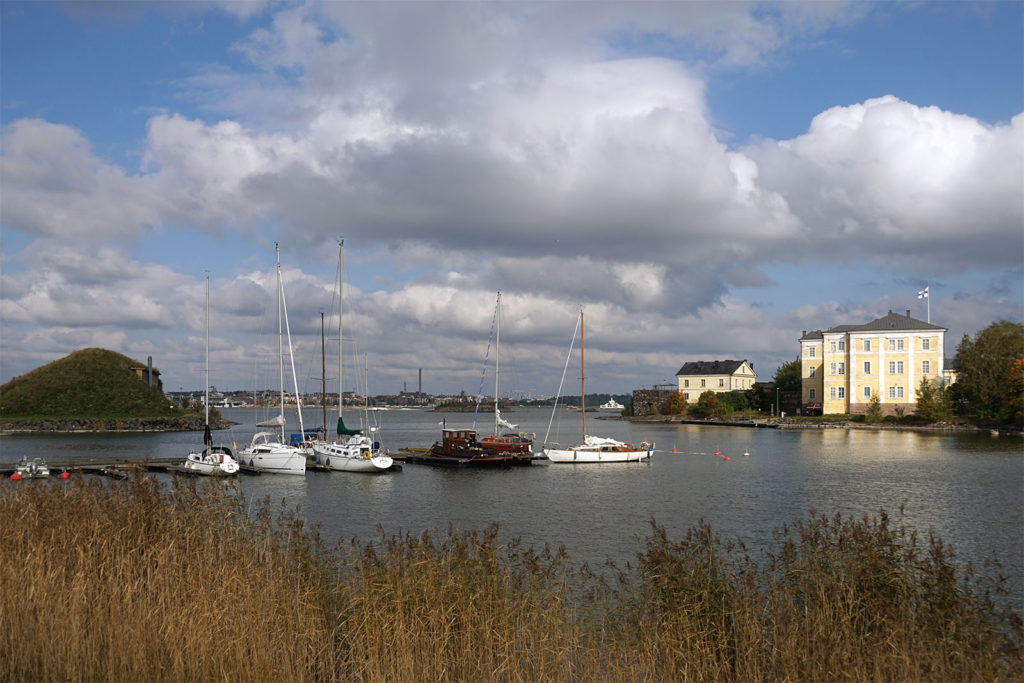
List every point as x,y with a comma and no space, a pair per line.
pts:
284,462
582,455
355,457
208,464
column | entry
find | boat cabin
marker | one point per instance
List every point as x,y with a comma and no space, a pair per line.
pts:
457,437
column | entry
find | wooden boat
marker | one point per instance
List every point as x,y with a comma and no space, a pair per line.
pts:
512,441
593,449
459,447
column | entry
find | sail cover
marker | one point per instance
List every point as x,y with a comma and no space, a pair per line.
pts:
345,431
276,421
502,421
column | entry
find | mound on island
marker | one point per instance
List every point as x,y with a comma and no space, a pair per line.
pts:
90,383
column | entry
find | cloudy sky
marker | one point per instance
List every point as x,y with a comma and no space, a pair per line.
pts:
707,179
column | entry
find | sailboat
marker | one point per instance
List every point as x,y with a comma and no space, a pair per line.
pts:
351,451
595,449
268,452
512,441
211,460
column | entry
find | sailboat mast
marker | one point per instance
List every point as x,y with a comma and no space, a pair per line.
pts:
323,374
280,334
497,351
206,374
341,288
583,390
366,389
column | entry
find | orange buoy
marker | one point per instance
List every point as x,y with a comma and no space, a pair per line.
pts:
15,477
675,450
718,452
727,458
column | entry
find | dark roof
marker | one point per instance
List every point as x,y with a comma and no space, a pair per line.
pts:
890,321
814,334
710,367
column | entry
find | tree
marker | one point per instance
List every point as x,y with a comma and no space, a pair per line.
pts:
674,404
1013,405
787,376
874,413
985,364
933,402
709,404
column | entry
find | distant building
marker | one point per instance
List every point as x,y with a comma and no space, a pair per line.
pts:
842,368
719,376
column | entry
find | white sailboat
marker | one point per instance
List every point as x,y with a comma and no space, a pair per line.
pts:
211,460
594,449
352,450
268,452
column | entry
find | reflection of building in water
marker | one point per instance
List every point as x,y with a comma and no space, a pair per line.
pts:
844,367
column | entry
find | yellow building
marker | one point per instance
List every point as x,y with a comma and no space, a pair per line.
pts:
844,367
719,376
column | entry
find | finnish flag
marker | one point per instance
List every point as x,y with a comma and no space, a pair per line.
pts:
923,294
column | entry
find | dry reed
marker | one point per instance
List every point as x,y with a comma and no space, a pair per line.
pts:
147,581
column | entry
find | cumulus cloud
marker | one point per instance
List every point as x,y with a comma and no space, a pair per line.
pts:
890,181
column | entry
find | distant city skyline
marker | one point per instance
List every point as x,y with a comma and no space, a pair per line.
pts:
707,180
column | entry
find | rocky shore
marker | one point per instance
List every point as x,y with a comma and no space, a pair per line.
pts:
184,423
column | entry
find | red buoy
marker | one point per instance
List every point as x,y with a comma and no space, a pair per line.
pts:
15,477
718,452
65,475
727,457
675,450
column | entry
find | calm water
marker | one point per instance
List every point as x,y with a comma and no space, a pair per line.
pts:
968,489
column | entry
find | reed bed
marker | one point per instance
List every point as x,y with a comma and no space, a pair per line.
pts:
144,580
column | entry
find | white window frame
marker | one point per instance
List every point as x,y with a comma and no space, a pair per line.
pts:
867,367
842,368
811,393
926,343
721,382
703,383
842,344
896,344
926,367
810,352
867,344
832,392
832,346
810,372
841,391
867,391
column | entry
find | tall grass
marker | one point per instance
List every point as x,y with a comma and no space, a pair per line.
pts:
143,581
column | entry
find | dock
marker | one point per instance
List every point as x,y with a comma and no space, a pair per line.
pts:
121,468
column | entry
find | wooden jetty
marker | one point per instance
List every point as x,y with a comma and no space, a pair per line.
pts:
121,468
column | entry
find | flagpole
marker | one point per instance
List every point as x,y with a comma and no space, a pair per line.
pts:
929,298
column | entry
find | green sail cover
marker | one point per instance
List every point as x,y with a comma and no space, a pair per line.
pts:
345,431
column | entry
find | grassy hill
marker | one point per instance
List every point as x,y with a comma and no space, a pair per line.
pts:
91,383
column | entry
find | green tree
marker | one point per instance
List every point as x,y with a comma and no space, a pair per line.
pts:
710,405
787,376
985,364
874,412
933,403
1013,405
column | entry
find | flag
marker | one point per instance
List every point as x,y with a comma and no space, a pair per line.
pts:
923,294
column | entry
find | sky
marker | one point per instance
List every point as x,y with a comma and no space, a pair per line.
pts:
706,180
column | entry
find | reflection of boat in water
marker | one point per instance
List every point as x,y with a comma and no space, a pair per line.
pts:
31,469
594,448
612,404
460,447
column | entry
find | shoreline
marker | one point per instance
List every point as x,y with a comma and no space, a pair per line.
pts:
103,425
785,423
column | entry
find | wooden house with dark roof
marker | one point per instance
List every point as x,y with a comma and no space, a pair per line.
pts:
696,377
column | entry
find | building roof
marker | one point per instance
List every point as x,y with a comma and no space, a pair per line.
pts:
890,321
710,367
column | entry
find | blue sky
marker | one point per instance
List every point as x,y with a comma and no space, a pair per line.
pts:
708,179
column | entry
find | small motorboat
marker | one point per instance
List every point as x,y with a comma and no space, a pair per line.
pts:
34,469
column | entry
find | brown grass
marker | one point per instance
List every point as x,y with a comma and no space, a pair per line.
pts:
141,581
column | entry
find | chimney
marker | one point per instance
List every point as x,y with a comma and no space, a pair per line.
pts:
908,312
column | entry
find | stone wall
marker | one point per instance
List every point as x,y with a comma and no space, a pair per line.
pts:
645,399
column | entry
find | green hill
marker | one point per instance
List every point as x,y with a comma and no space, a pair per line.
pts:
91,383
